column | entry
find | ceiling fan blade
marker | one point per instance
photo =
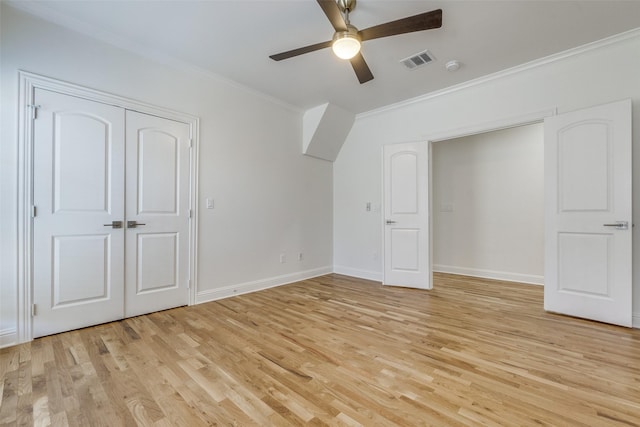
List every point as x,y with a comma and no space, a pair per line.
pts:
331,9
361,68
300,51
423,21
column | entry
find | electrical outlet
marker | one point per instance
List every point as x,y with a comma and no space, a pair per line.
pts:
299,256
209,203
283,258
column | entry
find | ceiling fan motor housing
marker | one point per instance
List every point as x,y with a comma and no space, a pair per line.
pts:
352,33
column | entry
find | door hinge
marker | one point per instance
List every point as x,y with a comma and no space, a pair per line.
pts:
189,284
34,110
190,213
33,310
190,143
34,211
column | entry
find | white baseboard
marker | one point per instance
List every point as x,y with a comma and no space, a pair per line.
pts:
258,285
635,320
490,274
361,274
8,337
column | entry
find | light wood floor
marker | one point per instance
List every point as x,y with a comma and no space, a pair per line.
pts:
334,351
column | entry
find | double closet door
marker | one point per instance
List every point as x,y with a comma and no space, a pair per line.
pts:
111,213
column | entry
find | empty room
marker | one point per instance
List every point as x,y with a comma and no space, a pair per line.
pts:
330,212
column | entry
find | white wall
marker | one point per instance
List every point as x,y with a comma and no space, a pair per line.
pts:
269,198
488,204
591,77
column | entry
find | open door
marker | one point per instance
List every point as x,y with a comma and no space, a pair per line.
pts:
406,215
588,214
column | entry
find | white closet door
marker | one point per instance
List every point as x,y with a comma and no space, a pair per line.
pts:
91,264
157,248
78,257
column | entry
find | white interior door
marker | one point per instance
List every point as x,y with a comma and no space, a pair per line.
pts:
78,184
588,214
406,215
157,248
95,260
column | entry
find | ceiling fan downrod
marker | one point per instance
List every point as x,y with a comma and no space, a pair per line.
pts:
346,6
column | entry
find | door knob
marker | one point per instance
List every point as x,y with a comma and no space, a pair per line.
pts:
619,225
134,224
114,224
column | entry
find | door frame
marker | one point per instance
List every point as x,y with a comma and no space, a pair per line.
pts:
28,83
478,128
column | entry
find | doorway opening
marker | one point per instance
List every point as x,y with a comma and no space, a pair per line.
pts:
487,204
587,210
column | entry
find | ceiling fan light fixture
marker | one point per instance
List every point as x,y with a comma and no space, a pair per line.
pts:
347,39
346,44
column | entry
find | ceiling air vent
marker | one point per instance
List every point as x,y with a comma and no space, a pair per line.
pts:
418,60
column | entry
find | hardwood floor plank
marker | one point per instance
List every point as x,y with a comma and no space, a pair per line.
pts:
9,406
334,351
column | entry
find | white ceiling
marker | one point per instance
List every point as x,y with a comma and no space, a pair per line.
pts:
233,39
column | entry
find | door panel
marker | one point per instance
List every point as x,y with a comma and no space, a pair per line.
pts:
158,181
584,157
587,190
406,239
403,176
84,282
81,136
78,273
583,261
151,274
405,245
158,164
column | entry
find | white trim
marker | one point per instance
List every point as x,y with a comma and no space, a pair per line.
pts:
8,337
25,197
42,11
258,285
495,125
43,82
635,322
29,82
530,279
509,71
504,123
193,210
361,274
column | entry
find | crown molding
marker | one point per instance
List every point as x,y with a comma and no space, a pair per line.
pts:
618,38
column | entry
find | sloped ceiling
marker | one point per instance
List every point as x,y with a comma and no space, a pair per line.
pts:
233,39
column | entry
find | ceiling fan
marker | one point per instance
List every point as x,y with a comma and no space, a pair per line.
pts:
347,38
